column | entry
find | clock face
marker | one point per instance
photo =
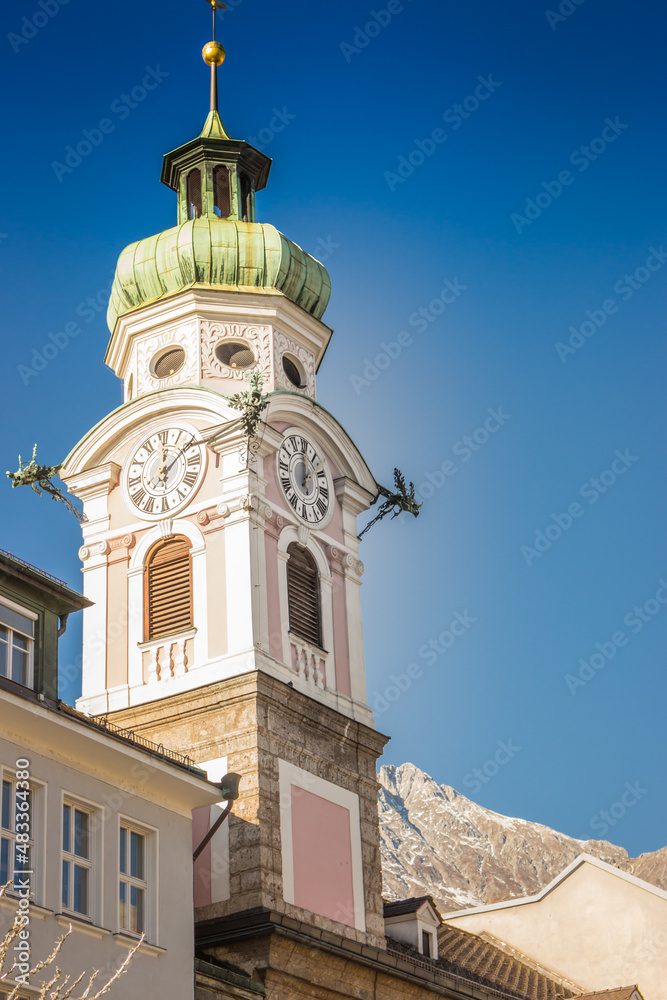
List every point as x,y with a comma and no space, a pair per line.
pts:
304,479
165,471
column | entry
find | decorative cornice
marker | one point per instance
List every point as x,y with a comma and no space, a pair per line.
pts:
94,483
352,496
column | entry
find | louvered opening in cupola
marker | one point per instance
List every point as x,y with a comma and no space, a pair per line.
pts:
303,595
168,589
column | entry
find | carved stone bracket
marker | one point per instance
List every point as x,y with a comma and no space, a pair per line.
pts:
166,526
344,562
119,546
254,502
222,510
353,565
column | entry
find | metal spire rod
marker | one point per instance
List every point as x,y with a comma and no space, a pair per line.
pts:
213,54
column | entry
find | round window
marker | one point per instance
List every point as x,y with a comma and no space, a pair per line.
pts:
294,371
168,362
235,354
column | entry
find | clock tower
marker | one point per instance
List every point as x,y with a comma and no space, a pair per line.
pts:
223,566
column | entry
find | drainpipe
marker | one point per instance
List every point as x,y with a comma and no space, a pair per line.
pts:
229,786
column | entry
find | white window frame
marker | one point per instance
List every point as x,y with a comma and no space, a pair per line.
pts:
9,834
29,679
149,882
91,863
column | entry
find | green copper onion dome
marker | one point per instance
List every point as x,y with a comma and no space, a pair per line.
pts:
217,242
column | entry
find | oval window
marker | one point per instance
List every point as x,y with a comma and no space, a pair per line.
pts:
294,371
236,354
168,362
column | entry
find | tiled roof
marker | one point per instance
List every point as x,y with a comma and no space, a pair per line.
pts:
621,993
500,968
401,906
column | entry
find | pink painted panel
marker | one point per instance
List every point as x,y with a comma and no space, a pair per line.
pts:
322,852
201,821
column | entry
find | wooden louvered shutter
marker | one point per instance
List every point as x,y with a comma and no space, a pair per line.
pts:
303,594
168,592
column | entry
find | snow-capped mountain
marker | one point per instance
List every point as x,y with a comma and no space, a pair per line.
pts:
436,841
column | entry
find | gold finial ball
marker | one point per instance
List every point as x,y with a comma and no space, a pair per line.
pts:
213,54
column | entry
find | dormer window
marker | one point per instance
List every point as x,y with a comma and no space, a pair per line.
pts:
414,922
17,634
427,944
194,194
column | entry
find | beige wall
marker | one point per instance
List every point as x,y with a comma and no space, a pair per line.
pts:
115,783
595,928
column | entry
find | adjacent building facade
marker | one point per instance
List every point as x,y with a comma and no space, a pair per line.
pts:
96,827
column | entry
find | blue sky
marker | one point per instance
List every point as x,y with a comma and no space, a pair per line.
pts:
486,183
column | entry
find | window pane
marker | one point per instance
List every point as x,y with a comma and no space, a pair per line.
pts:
19,664
67,816
66,884
81,823
21,861
136,909
4,861
123,904
6,805
137,855
80,889
123,850
4,652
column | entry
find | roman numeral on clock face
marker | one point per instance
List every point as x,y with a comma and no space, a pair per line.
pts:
303,479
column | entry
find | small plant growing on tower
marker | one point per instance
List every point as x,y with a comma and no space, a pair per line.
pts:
40,477
251,402
401,499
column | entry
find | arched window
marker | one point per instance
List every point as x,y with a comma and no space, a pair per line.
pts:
246,198
303,595
221,192
168,589
194,194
